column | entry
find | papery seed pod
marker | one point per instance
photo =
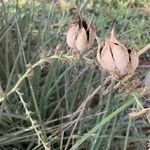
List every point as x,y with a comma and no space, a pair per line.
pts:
72,34
81,41
133,60
119,54
80,35
105,58
114,56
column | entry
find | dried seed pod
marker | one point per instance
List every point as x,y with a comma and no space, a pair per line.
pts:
105,58
81,41
113,56
72,34
80,35
133,60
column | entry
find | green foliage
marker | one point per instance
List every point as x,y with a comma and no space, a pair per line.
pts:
50,103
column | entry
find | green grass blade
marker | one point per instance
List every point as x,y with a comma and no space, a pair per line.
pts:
103,122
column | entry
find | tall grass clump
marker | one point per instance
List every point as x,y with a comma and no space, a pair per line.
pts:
50,98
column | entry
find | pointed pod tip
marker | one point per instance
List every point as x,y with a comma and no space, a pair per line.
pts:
99,42
113,31
78,12
90,23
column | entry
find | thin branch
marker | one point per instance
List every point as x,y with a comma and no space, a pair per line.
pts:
143,50
29,70
38,132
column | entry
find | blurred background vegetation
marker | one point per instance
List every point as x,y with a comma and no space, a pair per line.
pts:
53,106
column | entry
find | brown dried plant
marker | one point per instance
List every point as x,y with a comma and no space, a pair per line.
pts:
116,58
80,35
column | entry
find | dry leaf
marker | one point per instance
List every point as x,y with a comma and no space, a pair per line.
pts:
140,112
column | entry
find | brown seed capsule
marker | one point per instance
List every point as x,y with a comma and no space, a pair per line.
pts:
80,35
113,56
105,58
81,43
72,34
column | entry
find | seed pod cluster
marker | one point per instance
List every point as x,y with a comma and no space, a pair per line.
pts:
112,56
80,35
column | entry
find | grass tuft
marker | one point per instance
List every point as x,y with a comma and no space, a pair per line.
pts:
51,99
